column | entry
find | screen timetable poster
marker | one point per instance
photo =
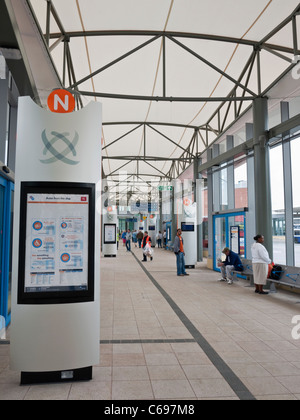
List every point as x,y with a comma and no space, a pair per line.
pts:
56,242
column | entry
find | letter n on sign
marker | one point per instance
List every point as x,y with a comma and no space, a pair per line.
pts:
61,101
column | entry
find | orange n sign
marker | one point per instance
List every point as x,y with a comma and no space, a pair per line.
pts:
61,101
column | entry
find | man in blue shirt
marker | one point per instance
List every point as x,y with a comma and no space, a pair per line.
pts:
232,262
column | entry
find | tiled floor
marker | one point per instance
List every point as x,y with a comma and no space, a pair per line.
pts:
180,338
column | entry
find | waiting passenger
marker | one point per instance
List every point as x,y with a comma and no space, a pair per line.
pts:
147,250
232,262
260,264
180,254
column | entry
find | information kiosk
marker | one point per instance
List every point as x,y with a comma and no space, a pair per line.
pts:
56,270
189,236
152,231
109,236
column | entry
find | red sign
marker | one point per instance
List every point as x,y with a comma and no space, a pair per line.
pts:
61,101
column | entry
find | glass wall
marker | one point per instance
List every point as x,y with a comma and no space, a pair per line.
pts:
278,204
295,154
223,189
285,175
240,184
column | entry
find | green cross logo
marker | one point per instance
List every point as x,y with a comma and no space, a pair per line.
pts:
62,155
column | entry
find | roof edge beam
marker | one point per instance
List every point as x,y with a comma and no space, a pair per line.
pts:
163,99
208,37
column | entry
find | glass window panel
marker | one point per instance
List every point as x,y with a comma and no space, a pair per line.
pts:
295,153
278,205
224,189
220,238
216,191
241,184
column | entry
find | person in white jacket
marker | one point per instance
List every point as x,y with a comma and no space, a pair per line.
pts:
260,264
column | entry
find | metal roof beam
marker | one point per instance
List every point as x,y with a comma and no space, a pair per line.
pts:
163,99
207,37
147,158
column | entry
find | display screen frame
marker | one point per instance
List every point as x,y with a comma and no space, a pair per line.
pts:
55,295
184,226
109,226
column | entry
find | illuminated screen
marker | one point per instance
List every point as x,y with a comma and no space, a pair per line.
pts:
187,227
56,242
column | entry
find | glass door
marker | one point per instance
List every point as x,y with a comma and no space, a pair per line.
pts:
2,291
229,231
6,226
219,238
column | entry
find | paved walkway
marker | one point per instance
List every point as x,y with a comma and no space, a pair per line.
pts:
169,337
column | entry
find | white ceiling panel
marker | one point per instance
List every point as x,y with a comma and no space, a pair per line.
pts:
196,61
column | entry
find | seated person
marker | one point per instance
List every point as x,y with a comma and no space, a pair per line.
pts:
232,262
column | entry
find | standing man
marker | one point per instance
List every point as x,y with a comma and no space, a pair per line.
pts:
165,238
128,240
159,239
232,262
180,254
140,237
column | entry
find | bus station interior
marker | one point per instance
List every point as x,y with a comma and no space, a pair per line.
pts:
201,121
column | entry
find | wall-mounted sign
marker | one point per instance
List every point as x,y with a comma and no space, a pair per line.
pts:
61,101
235,239
165,188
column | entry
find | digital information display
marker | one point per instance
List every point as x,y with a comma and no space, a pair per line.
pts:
110,234
56,241
187,227
235,239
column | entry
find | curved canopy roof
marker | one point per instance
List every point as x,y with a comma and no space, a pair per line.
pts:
171,74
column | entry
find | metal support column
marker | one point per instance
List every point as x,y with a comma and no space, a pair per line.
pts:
174,212
210,204
263,204
198,200
3,118
250,217
230,175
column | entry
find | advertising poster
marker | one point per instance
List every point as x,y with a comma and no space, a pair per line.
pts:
56,256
